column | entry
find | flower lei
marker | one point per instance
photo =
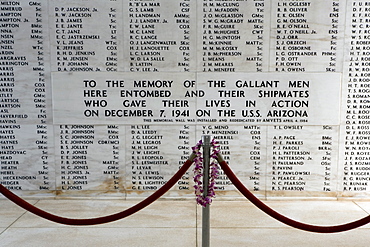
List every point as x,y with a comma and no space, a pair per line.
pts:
198,173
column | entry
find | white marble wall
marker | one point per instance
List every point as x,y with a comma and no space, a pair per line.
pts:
106,99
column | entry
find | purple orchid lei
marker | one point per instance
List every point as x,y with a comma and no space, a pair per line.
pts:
198,173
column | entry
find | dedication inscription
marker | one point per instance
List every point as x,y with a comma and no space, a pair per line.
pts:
107,98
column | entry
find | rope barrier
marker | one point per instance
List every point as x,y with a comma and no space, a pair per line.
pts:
171,182
100,220
302,226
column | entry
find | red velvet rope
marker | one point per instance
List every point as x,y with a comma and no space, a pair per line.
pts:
100,220
302,226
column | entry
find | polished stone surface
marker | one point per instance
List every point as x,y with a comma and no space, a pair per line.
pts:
285,237
178,223
9,213
160,214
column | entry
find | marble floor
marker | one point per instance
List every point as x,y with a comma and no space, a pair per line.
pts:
178,223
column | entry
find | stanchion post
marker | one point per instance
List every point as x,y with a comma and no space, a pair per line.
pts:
206,209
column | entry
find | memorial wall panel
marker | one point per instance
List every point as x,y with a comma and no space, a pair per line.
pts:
107,98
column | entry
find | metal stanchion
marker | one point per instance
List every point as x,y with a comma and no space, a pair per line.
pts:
205,211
